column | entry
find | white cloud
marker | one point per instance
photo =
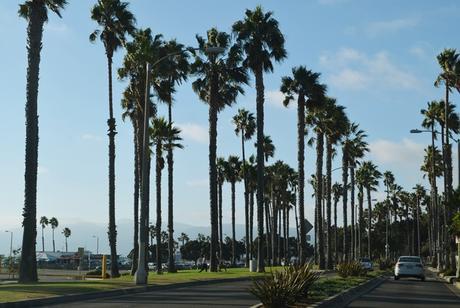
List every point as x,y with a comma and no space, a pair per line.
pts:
59,28
382,27
197,183
404,153
417,51
88,136
351,69
193,131
275,98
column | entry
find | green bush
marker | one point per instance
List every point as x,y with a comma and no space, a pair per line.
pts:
385,264
353,269
448,272
286,287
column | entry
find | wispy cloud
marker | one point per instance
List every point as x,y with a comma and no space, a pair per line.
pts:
88,136
57,27
390,26
42,170
194,132
402,153
355,70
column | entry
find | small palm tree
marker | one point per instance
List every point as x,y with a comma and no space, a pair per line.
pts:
262,42
36,14
43,222
232,175
163,137
337,191
183,238
54,224
245,125
218,85
116,21
66,231
221,165
305,84
268,147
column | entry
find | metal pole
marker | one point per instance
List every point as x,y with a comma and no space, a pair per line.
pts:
97,245
141,273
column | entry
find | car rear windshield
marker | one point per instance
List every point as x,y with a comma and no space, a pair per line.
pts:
410,259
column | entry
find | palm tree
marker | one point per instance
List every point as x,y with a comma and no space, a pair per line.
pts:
431,114
251,176
337,191
36,14
66,231
221,167
232,175
143,49
218,84
335,125
448,60
183,238
305,84
116,22
388,181
176,70
353,148
245,125
43,222
262,42
268,147
420,194
163,137
371,180
54,224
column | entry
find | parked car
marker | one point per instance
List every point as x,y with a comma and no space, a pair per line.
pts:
366,263
409,266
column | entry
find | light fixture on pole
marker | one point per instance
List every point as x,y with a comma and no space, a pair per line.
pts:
140,276
97,243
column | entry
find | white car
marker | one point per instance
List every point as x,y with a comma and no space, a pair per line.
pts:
366,263
409,266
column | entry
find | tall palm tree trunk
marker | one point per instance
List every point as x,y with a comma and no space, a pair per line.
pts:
269,231
246,200
329,262
369,222
251,224
43,240
352,207
260,168
233,226
54,244
213,172
360,219
28,265
66,250
418,225
112,132
297,227
336,238
319,196
301,174
221,239
158,197
136,197
170,158
345,200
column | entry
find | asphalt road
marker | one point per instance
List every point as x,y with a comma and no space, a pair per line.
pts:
227,294
408,292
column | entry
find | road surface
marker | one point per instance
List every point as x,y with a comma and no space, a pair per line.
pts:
408,292
226,294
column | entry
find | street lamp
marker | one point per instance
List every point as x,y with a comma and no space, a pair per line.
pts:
97,243
141,274
11,249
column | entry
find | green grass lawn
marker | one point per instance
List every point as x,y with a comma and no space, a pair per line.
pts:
16,292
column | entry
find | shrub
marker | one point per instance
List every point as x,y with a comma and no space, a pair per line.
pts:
286,287
385,264
448,272
354,269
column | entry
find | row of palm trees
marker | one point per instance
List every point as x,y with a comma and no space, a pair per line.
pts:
54,223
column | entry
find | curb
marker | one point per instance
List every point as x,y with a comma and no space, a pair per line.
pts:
117,292
344,298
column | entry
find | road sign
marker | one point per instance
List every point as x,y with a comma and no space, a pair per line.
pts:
308,226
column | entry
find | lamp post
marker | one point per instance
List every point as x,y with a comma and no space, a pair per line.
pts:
97,243
140,276
11,250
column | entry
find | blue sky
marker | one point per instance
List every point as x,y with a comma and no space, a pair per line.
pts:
377,58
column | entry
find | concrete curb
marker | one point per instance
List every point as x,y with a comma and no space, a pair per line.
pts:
117,292
344,298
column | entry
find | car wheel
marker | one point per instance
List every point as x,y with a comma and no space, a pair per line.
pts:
396,277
